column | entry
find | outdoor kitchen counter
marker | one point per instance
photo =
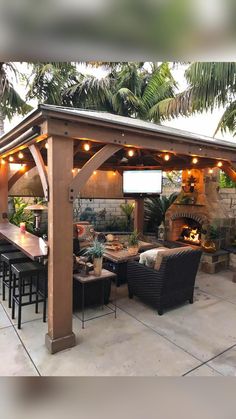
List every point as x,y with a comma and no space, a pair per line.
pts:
26,242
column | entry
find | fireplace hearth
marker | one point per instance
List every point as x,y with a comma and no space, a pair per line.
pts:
193,212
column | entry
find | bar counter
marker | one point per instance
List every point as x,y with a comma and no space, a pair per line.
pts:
26,242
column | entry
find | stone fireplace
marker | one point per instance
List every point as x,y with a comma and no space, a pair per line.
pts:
198,206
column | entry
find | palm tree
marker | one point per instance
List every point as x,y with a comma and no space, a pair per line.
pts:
155,210
128,89
211,85
10,101
48,81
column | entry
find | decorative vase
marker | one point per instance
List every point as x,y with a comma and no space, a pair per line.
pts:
133,250
97,266
209,246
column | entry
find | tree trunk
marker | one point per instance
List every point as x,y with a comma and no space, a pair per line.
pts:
1,95
1,121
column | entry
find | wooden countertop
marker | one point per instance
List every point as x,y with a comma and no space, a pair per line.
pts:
27,243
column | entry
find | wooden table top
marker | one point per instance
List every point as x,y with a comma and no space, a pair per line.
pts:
93,278
27,243
119,256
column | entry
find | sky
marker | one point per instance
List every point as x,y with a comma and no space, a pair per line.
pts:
204,124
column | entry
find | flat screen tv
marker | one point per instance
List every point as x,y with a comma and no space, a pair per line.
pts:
142,183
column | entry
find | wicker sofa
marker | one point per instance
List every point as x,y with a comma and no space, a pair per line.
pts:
169,286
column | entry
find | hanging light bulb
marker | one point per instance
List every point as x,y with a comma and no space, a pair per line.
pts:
131,153
11,159
189,172
46,145
166,157
73,170
20,155
114,172
86,147
195,160
220,164
95,172
210,171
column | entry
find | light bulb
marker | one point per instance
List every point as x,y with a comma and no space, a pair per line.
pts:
195,160
131,153
210,171
11,159
94,172
166,157
46,145
220,164
20,155
86,147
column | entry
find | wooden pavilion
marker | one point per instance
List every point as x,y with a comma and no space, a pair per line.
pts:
57,140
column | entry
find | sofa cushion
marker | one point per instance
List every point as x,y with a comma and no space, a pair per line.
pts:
85,232
148,258
167,252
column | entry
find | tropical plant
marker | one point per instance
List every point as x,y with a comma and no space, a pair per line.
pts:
226,182
155,210
129,89
20,214
210,85
128,210
213,232
48,81
133,239
96,250
10,101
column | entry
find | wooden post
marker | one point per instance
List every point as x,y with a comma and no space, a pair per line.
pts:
3,191
60,267
139,215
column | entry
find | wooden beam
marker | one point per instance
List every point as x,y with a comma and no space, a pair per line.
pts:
139,215
92,164
37,156
18,175
230,171
3,192
60,237
140,139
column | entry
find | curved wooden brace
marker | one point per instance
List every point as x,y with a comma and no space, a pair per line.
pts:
37,156
17,175
92,164
229,172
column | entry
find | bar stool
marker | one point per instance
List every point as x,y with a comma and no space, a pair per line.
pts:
7,260
6,248
27,271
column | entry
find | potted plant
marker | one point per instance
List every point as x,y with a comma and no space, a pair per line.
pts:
133,243
96,251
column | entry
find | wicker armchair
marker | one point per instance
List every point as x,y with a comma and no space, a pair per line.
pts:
171,285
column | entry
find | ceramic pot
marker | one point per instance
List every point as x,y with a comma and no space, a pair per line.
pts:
97,266
133,250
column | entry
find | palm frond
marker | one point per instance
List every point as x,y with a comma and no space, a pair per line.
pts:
228,120
125,101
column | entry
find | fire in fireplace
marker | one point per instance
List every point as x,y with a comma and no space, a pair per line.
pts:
191,232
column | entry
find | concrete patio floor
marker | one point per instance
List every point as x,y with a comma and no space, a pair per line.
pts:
191,340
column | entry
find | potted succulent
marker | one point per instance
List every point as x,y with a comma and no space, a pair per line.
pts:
96,251
133,243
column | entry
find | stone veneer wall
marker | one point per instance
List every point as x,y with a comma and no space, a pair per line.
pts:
228,196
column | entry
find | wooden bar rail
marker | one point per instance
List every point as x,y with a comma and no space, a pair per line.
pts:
27,243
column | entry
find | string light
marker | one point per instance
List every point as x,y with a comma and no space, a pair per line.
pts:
94,172
86,147
11,159
73,170
189,172
131,153
210,171
114,173
20,155
220,164
46,145
166,157
195,160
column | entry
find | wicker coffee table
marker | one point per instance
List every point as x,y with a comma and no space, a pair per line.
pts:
85,280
